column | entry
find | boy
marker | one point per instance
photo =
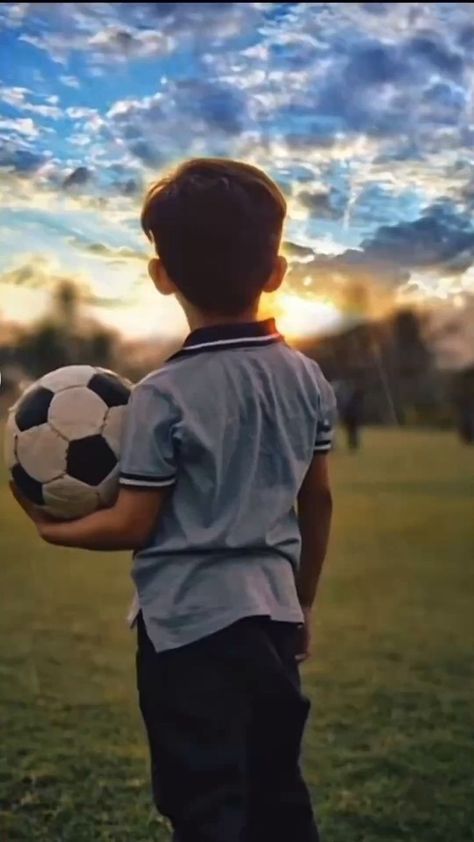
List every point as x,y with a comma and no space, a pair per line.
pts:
219,445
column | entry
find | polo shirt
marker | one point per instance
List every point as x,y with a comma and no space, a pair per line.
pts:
229,425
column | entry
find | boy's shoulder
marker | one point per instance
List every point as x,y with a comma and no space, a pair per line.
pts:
160,379
170,380
181,378
318,380
308,364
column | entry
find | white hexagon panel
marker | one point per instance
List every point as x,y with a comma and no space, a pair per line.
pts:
67,376
42,453
113,427
77,412
68,498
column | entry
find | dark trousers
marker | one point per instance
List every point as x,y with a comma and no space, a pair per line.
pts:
225,718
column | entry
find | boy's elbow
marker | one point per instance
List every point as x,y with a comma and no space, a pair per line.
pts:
323,501
328,499
137,535
137,542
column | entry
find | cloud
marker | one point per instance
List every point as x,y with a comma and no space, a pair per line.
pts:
202,22
22,126
37,272
69,81
77,178
174,122
124,31
130,187
334,274
122,253
321,204
298,253
123,44
22,161
218,106
75,112
14,96
147,152
353,79
442,239
432,255
363,112
18,98
25,275
430,50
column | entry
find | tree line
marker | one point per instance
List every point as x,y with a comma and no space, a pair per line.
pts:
388,361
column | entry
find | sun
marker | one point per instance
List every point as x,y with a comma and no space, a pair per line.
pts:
303,317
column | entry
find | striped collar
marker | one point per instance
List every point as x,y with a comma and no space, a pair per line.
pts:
227,336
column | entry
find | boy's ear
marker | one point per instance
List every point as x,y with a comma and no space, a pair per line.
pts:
159,276
276,278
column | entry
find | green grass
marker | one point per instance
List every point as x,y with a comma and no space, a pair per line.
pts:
389,750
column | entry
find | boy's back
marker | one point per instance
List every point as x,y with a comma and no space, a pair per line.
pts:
232,422
219,446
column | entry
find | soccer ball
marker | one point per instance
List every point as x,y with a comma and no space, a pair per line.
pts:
62,441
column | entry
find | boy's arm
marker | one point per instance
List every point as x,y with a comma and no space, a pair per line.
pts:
314,515
125,526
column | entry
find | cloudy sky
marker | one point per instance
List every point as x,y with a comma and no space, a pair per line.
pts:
364,114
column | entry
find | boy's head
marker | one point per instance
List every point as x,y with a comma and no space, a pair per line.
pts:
216,225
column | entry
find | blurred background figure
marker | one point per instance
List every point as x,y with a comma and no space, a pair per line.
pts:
463,400
350,399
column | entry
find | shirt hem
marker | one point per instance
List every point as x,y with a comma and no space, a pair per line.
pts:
281,615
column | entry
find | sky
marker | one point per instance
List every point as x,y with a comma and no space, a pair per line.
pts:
363,113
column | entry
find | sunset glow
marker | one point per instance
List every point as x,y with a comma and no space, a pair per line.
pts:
300,317
369,136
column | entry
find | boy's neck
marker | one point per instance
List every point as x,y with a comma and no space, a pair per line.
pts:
197,319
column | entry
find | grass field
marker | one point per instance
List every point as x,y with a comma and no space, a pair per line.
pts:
389,750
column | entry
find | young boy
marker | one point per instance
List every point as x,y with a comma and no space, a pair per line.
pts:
220,444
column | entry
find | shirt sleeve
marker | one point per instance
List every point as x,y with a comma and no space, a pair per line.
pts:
148,457
327,416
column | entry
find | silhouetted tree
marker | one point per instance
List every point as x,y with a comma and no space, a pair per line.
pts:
65,337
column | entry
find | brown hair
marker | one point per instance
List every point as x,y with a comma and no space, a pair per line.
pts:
216,225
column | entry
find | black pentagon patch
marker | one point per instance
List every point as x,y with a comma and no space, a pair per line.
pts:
90,459
33,408
31,488
111,389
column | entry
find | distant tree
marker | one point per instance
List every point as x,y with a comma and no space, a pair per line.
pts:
65,337
391,362
412,366
44,348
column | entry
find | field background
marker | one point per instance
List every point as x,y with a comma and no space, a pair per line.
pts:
389,750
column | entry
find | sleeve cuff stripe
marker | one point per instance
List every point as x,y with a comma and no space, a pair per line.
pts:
144,480
143,483
322,448
146,477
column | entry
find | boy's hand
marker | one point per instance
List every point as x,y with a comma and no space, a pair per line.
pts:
305,636
33,512
126,525
38,517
